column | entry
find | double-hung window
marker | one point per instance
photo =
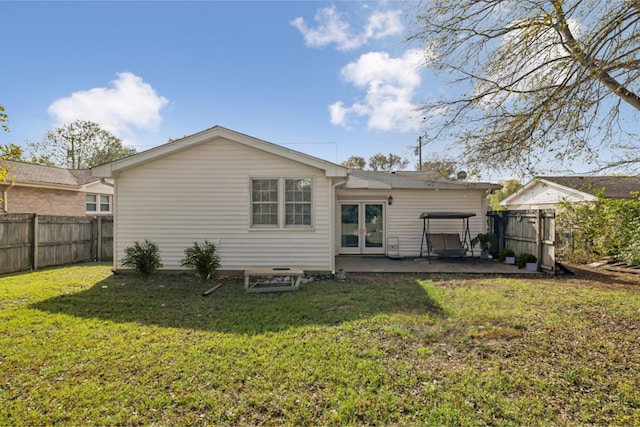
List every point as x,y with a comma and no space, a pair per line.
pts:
98,203
297,202
264,203
281,203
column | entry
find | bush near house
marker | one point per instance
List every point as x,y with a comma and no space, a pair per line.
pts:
144,258
606,227
203,259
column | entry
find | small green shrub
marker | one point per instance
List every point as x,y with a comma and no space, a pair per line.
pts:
202,259
525,258
504,254
144,258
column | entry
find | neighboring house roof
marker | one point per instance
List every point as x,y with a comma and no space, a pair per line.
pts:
29,174
576,188
207,136
615,187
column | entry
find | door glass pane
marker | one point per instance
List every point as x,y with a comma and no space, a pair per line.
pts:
373,226
349,226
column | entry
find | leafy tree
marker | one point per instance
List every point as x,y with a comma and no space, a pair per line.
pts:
535,79
79,145
355,162
381,162
509,187
8,151
603,227
11,152
3,119
440,163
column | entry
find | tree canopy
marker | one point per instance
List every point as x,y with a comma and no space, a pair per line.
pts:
355,162
536,82
509,187
443,164
9,151
390,162
3,119
78,145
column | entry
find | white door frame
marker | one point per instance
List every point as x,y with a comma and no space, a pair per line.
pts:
355,241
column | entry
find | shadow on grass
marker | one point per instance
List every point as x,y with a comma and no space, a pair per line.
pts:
178,303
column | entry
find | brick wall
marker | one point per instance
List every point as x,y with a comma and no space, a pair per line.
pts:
43,201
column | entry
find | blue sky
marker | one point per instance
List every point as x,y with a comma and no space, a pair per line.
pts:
330,79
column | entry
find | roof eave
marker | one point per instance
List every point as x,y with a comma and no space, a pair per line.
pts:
111,169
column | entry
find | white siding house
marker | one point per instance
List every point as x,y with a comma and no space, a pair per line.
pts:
547,192
268,206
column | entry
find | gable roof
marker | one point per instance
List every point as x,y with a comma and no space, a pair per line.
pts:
583,187
615,187
217,132
29,174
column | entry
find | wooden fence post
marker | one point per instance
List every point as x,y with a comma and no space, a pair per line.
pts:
36,243
539,236
99,240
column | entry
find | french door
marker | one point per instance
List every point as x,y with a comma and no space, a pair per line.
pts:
362,228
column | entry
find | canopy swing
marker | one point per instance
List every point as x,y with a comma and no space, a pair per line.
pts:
443,244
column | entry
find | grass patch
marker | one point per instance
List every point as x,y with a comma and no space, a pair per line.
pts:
80,346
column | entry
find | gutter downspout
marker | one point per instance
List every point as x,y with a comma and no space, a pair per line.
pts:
333,226
5,197
113,210
104,181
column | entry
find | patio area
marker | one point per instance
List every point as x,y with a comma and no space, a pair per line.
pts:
383,264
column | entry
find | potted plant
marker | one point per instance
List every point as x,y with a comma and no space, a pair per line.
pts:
528,261
486,241
508,256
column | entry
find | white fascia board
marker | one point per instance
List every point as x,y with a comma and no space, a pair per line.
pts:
44,185
359,182
102,171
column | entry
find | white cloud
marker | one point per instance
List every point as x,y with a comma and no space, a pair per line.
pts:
390,84
331,28
129,103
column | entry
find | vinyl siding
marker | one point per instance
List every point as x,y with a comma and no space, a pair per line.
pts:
403,216
542,196
203,193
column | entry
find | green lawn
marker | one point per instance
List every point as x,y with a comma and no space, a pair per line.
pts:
81,347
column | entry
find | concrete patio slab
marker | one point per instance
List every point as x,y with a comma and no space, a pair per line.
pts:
383,264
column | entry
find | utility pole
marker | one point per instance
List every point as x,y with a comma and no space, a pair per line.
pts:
418,151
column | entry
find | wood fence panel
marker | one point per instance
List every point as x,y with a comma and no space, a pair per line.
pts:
16,237
520,233
527,232
106,235
29,241
548,241
64,240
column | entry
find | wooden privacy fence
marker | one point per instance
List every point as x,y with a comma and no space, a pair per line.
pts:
531,231
30,241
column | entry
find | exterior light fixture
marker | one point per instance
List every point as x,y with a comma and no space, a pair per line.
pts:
390,199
